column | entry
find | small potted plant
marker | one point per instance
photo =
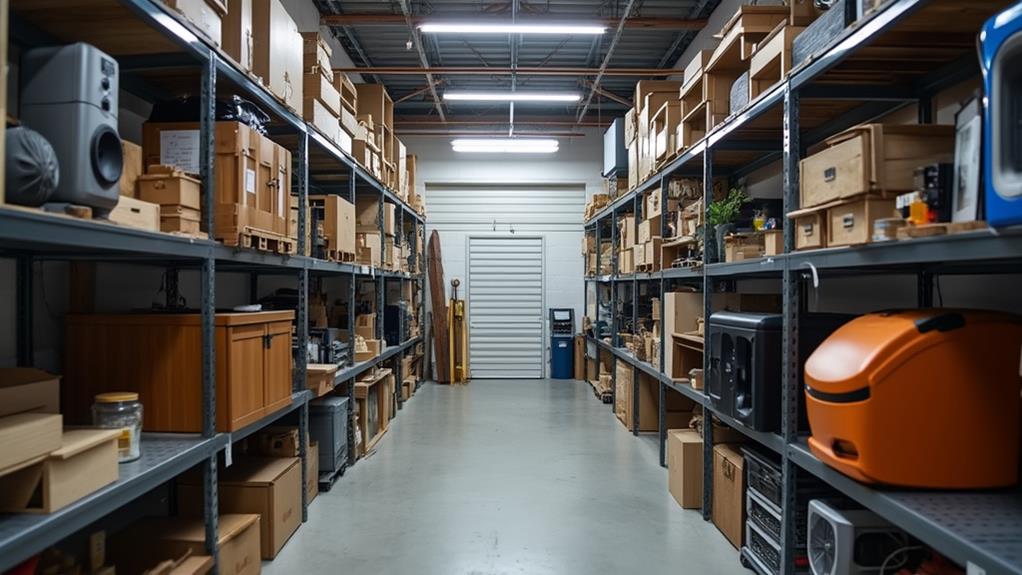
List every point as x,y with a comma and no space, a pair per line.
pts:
721,216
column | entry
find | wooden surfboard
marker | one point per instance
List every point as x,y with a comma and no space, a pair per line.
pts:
438,298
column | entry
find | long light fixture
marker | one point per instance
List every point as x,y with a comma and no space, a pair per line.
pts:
505,146
509,28
450,96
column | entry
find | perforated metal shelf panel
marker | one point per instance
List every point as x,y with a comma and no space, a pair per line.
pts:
164,456
983,528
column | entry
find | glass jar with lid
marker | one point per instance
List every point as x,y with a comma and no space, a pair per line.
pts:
121,410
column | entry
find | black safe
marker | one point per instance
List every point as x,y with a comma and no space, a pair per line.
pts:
745,363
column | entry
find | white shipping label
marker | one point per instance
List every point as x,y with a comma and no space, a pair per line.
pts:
180,148
250,181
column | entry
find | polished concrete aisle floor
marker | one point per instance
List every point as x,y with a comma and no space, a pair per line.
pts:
506,477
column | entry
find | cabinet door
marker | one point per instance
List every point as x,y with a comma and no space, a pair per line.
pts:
245,375
277,366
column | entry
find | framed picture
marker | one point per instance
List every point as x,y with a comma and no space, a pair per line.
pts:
965,186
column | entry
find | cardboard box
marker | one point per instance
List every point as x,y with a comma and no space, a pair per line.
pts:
316,56
133,168
207,15
626,232
580,357
278,441
27,437
277,51
367,215
136,214
323,119
369,249
28,389
269,487
150,540
649,229
685,467
338,223
372,350
652,255
85,460
365,325
311,471
316,87
729,493
169,186
237,33
626,261
773,242
678,408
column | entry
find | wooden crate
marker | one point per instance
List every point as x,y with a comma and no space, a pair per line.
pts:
136,214
160,357
338,226
851,223
373,398
771,61
810,228
663,126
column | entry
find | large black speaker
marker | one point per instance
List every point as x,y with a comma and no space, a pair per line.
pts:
745,363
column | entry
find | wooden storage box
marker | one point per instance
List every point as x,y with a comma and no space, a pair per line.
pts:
851,223
810,228
871,158
237,35
136,214
169,186
349,94
159,356
207,15
133,168
773,242
651,257
664,125
644,88
277,51
626,261
85,462
771,61
740,247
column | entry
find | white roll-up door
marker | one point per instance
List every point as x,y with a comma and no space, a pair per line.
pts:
505,307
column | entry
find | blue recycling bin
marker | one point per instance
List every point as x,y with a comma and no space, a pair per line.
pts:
562,345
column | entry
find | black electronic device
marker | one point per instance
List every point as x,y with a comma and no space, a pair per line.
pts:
745,367
562,321
331,345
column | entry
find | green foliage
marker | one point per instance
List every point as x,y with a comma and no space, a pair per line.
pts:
727,210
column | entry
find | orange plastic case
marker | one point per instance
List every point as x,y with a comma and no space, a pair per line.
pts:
919,398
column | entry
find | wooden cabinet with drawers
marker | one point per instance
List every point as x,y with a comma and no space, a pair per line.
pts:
160,357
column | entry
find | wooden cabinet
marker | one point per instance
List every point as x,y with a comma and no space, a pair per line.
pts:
160,357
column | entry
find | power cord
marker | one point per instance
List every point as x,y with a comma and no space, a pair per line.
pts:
900,550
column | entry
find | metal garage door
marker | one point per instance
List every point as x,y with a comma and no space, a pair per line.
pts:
505,307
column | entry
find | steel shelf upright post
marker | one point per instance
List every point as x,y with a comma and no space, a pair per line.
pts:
791,296
26,338
207,151
707,310
634,284
662,389
301,369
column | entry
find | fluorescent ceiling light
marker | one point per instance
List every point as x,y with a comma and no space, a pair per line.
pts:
505,146
454,28
512,96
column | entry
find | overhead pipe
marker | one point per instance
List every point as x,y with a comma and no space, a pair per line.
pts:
606,59
422,58
499,71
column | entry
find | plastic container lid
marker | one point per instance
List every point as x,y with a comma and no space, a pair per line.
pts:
116,397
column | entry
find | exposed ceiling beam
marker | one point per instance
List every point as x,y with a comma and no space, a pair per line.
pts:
611,95
431,83
420,91
636,22
606,58
410,122
521,71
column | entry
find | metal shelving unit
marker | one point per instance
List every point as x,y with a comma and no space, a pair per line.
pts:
978,529
29,236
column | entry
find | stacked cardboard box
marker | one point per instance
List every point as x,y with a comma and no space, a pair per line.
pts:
178,196
853,181
338,222
206,15
321,105
380,246
376,111
277,51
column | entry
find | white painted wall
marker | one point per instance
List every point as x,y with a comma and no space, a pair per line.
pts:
579,161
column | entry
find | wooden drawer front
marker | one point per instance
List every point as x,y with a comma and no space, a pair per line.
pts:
277,384
841,171
852,223
810,231
240,395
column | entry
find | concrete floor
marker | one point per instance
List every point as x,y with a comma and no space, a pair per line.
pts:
500,477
